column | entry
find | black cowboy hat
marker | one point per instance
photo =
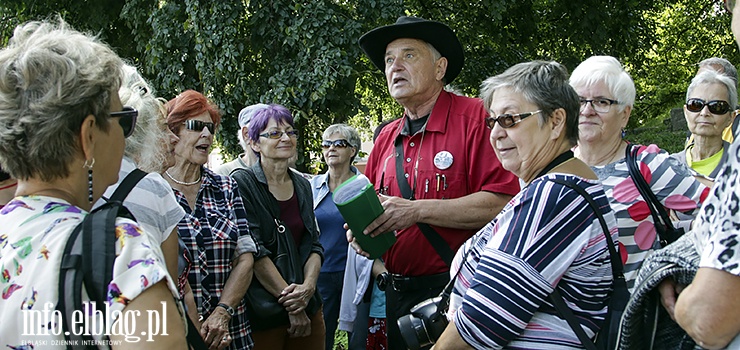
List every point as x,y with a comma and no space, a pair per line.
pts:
439,35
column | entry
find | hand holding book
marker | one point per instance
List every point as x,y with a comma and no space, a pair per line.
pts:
359,205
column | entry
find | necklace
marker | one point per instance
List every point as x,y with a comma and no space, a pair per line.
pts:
183,182
9,186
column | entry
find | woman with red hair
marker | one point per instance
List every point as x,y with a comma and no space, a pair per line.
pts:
214,230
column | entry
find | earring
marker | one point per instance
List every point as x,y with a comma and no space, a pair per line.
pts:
624,133
89,165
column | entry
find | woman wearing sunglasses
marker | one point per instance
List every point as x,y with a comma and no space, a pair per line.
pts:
339,146
547,237
214,228
607,94
63,128
282,220
708,113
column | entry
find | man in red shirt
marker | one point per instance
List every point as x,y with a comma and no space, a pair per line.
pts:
435,168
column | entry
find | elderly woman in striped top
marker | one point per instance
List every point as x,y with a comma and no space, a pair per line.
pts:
546,238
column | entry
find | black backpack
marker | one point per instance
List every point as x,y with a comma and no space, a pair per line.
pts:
89,257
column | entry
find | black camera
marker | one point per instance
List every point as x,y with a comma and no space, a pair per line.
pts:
427,321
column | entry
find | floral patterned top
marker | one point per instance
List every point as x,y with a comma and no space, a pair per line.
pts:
718,225
673,185
33,233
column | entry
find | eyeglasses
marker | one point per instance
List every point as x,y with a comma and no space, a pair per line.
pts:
717,107
278,134
127,119
197,125
729,5
508,120
341,143
600,105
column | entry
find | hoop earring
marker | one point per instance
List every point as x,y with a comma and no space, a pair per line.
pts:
89,165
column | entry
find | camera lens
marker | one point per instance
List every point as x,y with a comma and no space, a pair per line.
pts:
413,332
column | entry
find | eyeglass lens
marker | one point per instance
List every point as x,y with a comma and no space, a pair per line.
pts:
341,143
718,107
278,134
197,125
729,5
600,105
127,119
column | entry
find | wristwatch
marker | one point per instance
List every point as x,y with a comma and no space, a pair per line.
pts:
383,280
228,309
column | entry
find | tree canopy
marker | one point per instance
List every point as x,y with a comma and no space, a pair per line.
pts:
304,54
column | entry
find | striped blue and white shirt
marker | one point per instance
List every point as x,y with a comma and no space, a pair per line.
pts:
546,236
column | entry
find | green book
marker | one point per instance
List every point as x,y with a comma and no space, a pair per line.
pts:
359,205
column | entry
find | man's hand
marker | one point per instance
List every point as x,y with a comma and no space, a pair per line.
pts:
399,214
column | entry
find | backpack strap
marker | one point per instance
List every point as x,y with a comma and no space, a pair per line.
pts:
70,288
128,183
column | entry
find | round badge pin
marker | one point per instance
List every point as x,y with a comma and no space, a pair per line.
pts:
443,160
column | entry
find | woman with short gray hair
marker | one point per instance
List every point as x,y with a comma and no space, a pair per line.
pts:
62,130
708,111
340,144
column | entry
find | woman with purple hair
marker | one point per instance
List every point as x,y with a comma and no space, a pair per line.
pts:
282,222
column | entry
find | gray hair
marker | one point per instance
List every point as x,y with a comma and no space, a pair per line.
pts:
348,133
710,76
145,145
721,66
51,78
435,56
544,84
245,116
608,70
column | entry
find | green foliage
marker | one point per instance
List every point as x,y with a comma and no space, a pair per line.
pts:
304,54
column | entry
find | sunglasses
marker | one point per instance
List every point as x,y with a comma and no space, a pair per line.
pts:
341,143
729,5
717,107
197,125
278,134
508,120
127,119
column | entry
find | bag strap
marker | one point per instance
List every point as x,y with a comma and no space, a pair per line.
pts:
70,288
617,268
128,183
660,216
439,244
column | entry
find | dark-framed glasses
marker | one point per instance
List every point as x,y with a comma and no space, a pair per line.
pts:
278,134
729,5
599,104
717,107
508,120
127,119
341,143
197,125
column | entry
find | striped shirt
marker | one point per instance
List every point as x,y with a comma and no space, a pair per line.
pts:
547,235
673,185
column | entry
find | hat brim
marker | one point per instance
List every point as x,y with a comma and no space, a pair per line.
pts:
375,42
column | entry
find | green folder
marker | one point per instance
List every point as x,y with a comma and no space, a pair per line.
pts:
359,205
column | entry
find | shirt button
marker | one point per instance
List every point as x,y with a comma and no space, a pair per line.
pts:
406,175
408,160
411,144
